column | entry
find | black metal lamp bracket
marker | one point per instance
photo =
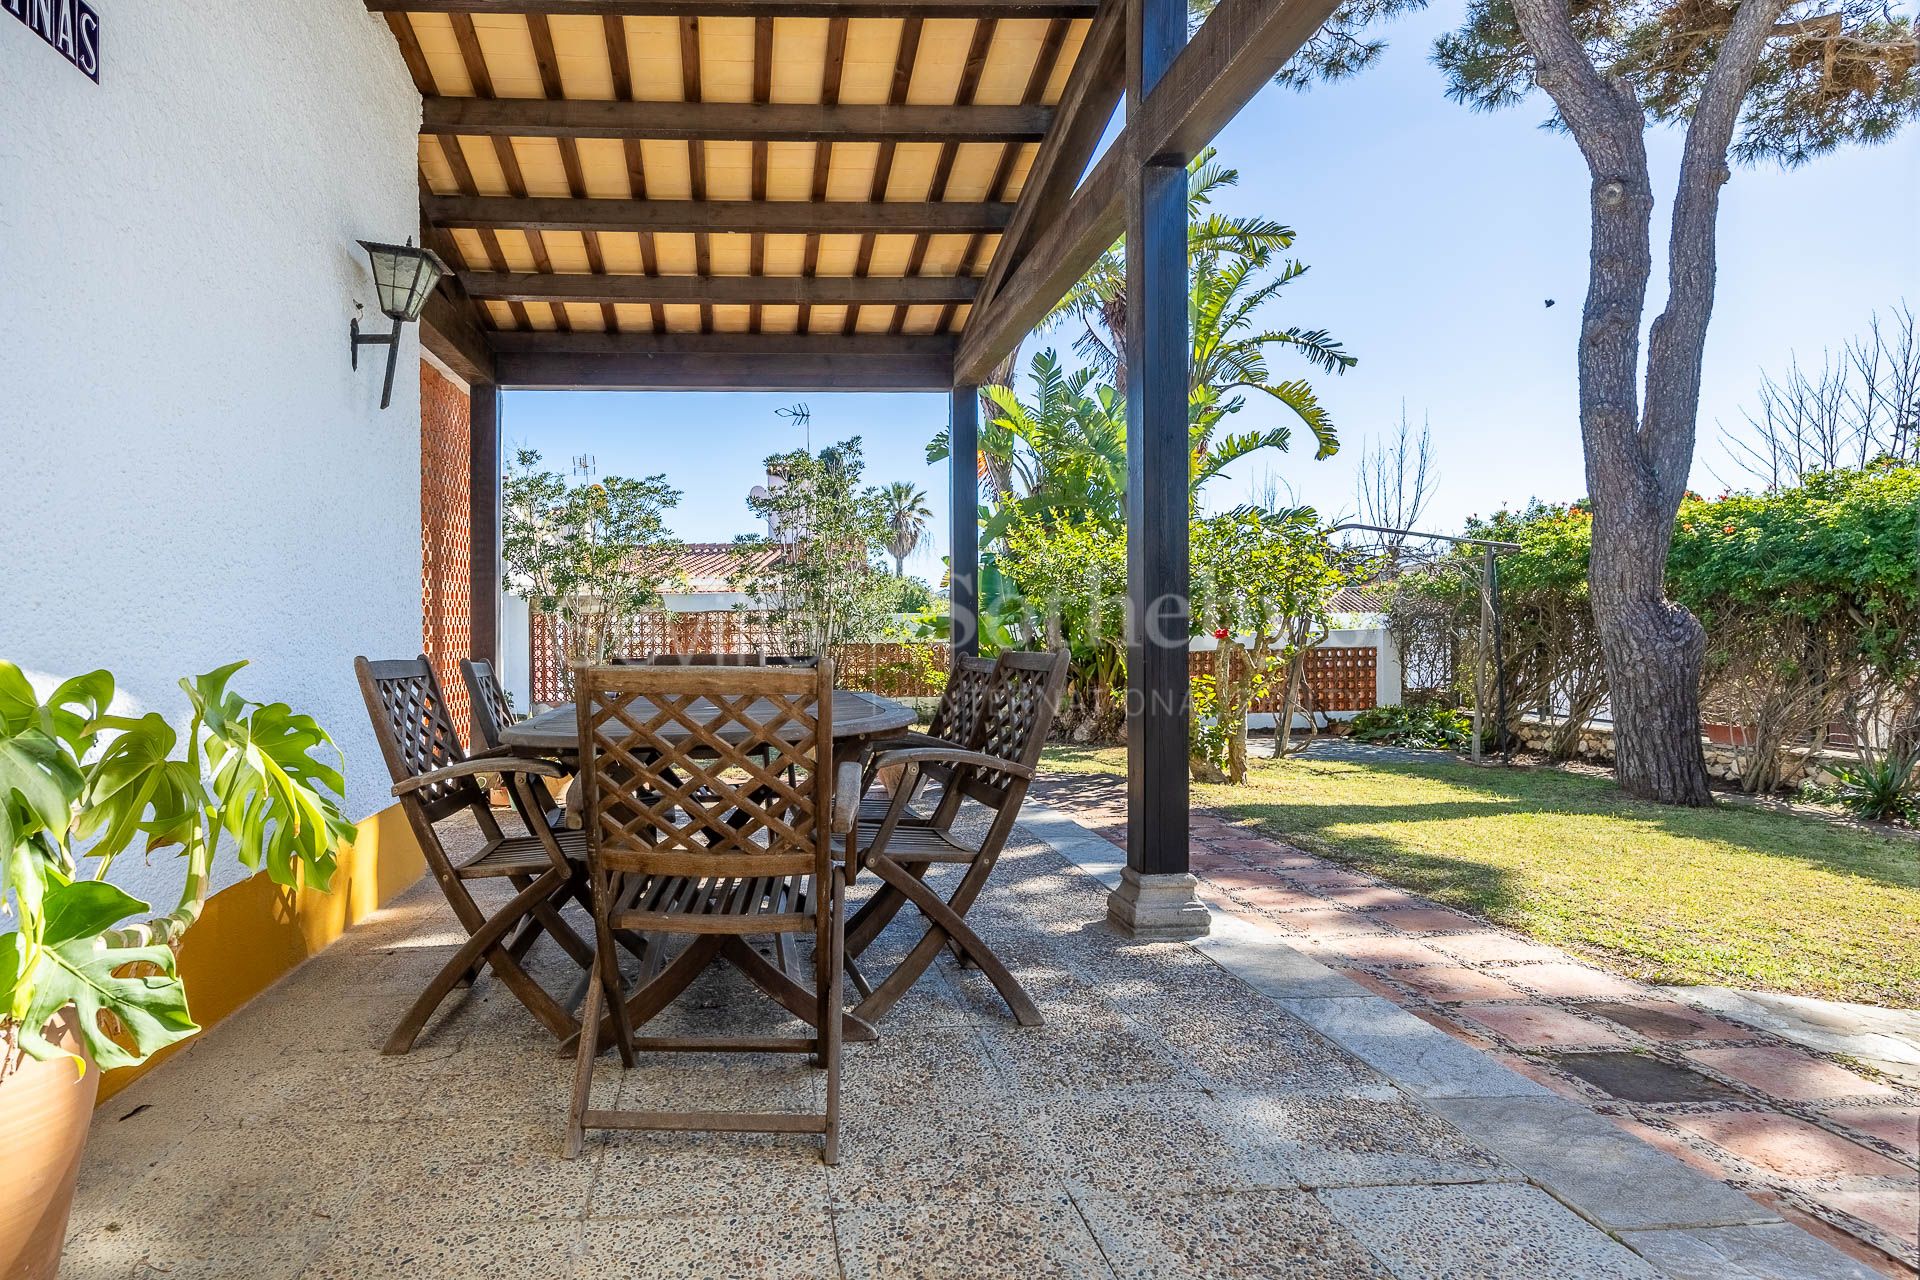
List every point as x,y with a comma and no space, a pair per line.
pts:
390,341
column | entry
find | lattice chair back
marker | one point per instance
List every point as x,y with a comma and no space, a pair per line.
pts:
707,773
415,731
962,713
1019,714
487,700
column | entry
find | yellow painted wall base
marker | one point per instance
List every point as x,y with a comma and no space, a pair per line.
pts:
254,932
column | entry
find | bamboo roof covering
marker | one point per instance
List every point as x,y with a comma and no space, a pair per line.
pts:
729,166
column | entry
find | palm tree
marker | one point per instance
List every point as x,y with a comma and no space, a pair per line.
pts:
1099,300
908,517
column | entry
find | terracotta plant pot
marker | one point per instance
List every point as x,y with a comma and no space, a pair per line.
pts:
44,1110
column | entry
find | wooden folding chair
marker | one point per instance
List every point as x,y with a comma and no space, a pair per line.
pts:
995,770
435,779
958,721
490,714
709,800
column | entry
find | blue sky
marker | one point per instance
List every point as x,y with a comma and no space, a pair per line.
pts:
1434,234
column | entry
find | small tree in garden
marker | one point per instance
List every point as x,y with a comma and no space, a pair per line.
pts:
1072,572
823,590
1261,583
1862,404
1747,80
593,555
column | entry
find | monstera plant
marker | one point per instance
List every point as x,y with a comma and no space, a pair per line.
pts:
87,971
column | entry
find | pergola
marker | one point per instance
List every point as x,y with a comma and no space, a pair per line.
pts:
841,195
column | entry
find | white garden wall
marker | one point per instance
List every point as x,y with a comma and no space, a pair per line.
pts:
190,470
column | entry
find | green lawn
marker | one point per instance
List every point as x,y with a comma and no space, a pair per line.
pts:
1729,896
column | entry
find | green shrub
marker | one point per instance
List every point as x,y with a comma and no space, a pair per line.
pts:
1428,726
1882,790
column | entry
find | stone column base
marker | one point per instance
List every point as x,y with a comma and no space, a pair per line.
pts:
1157,906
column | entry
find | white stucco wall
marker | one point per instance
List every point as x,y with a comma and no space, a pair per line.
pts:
190,470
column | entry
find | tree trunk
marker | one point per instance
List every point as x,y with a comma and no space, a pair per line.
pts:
1638,458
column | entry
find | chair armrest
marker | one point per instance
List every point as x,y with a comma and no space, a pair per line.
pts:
952,755
482,764
846,797
904,741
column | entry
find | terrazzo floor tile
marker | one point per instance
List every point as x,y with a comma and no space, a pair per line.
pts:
965,1239
770,1245
1249,1235
1319,1142
1120,1144
1070,1059
153,1251
544,1250
1490,1232
968,1143
672,1175
940,1152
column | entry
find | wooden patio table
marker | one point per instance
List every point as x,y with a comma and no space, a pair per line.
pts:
858,719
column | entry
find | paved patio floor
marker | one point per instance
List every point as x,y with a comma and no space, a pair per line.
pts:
1824,1145
1170,1120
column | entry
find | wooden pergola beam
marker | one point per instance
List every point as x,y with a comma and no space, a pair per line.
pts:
522,342
732,121
1092,221
1093,90
751,216
718,370
1231,57
751,8
447,329
526,286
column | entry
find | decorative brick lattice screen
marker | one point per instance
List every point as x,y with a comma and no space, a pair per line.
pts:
1341,679
1337,679
897,670
446,571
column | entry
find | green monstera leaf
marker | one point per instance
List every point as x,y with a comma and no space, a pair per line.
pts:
269,782
41,747
135,789
74,966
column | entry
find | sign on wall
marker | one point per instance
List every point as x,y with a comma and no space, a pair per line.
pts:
70,26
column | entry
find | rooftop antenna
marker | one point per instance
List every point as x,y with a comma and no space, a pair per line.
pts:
584,466
802,417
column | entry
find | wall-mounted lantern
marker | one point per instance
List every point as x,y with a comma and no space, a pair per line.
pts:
404,275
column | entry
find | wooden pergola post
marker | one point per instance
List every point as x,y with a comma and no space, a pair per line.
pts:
1156,893
484,520
963,577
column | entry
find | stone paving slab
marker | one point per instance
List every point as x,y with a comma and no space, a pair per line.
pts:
1523,1232
1345,920
1767,1251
